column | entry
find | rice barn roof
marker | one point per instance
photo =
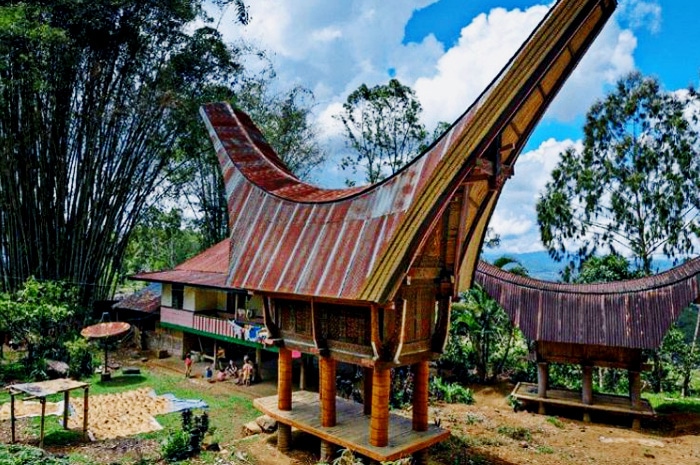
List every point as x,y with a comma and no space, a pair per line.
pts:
633,314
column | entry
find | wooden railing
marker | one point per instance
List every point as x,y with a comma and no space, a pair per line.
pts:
206,323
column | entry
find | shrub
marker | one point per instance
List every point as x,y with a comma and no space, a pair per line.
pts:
452,393
176,446
15,454
517,433
80,355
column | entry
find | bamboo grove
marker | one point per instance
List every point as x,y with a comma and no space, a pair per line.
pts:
92,102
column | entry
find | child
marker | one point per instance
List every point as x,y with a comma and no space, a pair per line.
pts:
188,365
208,374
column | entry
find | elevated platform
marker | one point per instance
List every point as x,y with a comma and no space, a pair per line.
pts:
527,392
352,428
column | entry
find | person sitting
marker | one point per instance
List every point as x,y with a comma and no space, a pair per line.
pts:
231,369
209,374
220,375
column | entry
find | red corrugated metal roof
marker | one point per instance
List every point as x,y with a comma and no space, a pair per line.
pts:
288,237
357,244
634,314
207,269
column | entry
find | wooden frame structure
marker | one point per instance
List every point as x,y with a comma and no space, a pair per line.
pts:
366,275
604,325
41,390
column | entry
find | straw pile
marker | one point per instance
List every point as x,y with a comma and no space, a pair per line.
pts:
119,415
30,409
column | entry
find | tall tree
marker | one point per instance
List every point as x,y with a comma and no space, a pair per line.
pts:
382,126
634,185
93,96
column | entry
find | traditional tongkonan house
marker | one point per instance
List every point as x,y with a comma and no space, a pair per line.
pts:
605,325
366,275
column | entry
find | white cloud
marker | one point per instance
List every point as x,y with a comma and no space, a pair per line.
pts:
333,47
514,217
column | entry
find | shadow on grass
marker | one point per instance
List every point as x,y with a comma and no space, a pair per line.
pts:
122,381
62,437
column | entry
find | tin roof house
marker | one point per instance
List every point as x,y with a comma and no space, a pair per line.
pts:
366,275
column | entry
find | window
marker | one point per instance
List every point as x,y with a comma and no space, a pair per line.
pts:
177,295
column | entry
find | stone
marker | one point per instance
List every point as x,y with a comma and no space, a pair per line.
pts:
251,428
267,424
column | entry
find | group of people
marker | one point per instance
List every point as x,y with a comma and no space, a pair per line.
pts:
245,375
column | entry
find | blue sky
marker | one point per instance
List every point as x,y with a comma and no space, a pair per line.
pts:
448,51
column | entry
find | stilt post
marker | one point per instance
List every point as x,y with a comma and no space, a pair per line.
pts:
421,372
379,421
327,391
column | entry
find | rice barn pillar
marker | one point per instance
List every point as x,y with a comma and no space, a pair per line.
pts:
379,420
284,397
367,374
327,392
421,376
587,389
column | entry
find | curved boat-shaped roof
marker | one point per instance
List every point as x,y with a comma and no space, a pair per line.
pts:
288,237
634,314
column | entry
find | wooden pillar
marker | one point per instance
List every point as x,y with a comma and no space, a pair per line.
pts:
284,397
13,419
302,373
327,391
542,384
284,379
259,364
379,422
86,395
327,451
66,401
43,421
587,390
327,394
284,437
367,374
635,384
421,372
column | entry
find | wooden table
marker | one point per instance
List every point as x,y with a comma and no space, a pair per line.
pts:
40,391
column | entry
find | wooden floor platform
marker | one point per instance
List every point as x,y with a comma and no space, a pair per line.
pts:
527,392
352,428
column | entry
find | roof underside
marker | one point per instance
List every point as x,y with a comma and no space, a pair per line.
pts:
633,314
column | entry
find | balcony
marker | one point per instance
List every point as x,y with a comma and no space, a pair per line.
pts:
215,323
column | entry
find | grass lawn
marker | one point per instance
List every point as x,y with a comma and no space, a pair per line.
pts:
227,411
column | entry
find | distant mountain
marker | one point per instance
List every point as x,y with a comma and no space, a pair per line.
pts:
541,266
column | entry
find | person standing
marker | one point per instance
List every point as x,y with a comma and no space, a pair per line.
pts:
188,365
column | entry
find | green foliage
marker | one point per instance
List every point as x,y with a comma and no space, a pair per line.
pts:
16,454
634,184
80,357
605,269
556,422
96,98
176,446
452,393
481,336
41,316
160,241
517,433
382,126
673,403
401,387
